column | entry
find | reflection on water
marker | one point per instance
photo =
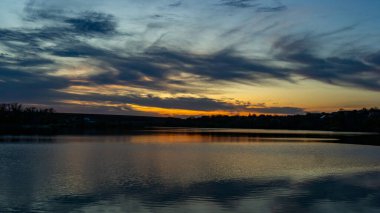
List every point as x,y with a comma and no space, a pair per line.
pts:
186,173
257,131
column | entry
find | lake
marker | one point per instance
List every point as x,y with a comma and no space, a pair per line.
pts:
190,170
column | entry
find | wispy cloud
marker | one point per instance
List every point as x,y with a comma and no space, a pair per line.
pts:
175,4
345,71
57,49
260,6
239,3
272,9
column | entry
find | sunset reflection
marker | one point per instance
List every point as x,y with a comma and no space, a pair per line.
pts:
172,170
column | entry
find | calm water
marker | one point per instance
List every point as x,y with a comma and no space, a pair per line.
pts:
181,172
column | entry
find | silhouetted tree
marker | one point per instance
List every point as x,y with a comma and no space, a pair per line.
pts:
17,116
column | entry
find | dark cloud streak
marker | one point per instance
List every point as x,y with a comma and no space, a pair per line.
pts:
272,9
29,70
300,49
260,6
239,3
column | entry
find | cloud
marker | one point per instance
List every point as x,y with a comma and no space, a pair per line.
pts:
224,65
272,9
261,6
92,22
160,64
335,70
238,3
374,59
163,105
64,39
189,103
85,23
28,86
175,4
25,69
37,11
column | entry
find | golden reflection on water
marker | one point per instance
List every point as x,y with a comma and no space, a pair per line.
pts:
185,158
130,166
209,138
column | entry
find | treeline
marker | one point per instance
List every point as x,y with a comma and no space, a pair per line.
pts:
355,120
15,108
16,118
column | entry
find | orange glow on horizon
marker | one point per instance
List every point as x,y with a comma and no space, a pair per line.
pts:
182,112
156,110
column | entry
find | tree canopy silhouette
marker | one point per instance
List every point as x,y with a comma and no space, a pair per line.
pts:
15,117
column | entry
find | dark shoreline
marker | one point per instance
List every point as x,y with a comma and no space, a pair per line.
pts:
16,119
296,136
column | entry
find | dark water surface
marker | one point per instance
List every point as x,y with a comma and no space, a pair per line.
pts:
181,172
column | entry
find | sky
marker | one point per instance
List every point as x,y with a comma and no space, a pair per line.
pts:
190,57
